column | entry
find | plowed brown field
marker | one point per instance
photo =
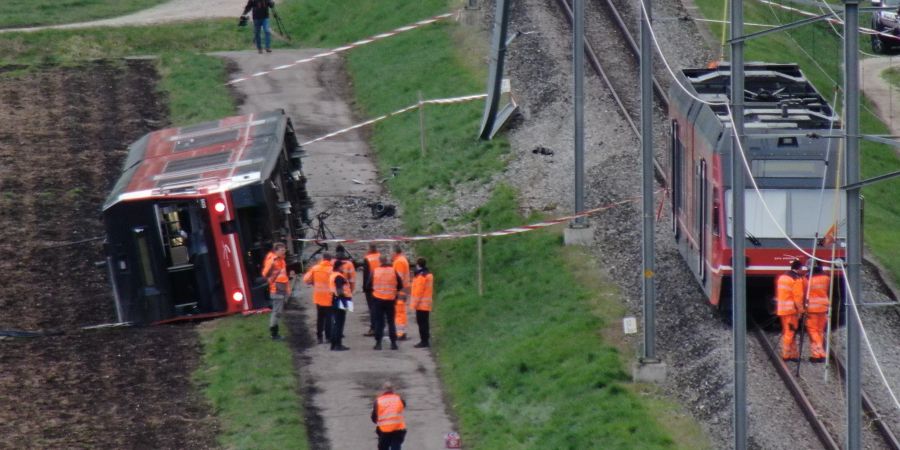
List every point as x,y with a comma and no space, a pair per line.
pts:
63,135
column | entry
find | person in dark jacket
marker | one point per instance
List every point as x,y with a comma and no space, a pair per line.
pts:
340,288
260,10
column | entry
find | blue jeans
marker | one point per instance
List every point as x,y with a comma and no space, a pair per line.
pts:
264,25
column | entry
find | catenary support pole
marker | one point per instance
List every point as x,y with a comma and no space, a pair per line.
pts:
578,62
854,219
648,250
739,280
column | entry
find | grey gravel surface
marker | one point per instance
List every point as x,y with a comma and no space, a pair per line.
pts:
691,338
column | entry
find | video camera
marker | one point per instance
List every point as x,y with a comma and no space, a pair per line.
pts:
242,22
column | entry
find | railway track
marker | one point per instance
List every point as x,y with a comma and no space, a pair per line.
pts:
827,440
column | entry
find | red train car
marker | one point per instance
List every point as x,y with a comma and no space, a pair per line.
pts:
194,212
787,124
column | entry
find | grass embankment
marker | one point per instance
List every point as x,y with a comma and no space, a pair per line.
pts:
525,366
892,76
250,381
820,57
28,13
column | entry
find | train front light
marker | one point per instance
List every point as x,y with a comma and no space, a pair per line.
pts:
237,296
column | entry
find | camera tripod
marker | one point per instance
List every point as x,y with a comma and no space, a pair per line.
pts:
322,233
279,25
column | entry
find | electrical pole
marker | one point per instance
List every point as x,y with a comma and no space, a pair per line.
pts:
647,247
578,61
854,219
739,280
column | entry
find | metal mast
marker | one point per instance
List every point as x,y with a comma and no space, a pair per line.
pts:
647,246
854,219
578,61
739,303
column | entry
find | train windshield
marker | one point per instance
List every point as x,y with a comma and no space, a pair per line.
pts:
801,213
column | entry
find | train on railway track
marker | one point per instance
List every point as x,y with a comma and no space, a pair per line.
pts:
792,156
194,212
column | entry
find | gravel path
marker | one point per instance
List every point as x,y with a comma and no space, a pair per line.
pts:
886,98
173,11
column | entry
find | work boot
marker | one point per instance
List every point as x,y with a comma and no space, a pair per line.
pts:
260,51
268,50
274,332
340,348
377,346
394,346
421,345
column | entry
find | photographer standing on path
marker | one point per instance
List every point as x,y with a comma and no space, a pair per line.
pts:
260,21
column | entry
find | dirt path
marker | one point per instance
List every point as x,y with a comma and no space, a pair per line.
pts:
62,145
341,385
885,97
173,11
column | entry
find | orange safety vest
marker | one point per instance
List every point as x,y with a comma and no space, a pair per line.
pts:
390,412
788,294
274,264
384,283
332,285
421,292
349,273
401,265
318,277
818,293
372,259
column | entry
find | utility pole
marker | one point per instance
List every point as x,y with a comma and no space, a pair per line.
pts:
739,279
578,232
648,367
854,219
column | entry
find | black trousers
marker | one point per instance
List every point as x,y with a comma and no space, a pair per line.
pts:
337,333
370,302
392,440
323,321
424,326
384,313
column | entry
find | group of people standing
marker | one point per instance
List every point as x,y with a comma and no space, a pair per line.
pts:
800,297
388,283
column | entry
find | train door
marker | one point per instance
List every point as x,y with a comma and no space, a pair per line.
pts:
702,217
675,155
185,235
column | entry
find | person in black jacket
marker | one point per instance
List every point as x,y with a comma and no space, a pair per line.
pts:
260,10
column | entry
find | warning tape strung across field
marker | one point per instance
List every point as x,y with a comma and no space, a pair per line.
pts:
359,43
437,101
506,232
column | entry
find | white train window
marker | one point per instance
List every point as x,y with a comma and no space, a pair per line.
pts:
787,168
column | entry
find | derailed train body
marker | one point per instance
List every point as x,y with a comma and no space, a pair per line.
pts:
786,126
194,213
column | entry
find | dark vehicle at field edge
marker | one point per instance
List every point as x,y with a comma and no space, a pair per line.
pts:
887,23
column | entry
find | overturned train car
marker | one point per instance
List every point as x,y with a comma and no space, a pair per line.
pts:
194,213
792,158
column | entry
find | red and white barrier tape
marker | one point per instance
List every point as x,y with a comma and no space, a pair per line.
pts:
437,101
508,231
359,43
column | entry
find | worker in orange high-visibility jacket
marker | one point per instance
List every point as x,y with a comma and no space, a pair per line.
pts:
384,283
342,296
276,273
401,265
317,277
387,414
817,312
789,292
421,297
372,262
346,265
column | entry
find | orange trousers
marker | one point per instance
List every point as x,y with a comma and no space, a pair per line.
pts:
789,325
400,317
815,328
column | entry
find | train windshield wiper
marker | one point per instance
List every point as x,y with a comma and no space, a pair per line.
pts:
753,240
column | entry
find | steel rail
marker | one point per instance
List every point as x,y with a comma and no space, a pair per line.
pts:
883,429
793,386
635,50
595,64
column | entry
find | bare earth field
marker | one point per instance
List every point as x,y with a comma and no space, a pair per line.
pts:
62,143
